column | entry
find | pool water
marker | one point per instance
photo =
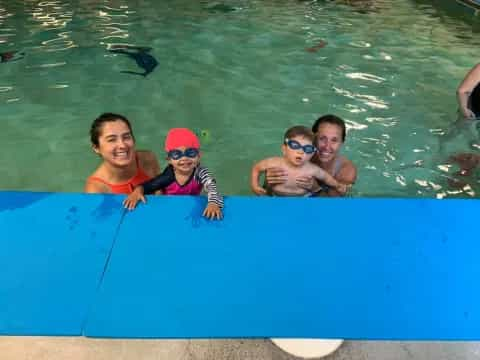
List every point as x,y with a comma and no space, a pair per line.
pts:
238,73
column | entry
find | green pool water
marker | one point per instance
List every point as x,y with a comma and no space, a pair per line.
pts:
240,75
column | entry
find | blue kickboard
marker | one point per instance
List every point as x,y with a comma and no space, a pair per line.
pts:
290,267
53,249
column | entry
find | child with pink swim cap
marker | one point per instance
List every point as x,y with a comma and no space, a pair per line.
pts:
183,176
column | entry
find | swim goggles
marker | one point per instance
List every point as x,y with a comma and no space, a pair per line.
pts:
176,154
295,145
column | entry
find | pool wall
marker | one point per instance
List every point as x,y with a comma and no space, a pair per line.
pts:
80,265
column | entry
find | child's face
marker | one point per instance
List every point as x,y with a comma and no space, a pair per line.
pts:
297,157
183,159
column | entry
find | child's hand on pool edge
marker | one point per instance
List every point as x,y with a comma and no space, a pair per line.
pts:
213,211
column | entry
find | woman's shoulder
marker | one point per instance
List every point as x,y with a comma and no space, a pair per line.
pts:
146,155
148,162
347,171
95,183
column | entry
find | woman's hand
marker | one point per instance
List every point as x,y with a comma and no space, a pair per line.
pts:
468,114
343,188
259,190
131,201
276,176
308,183
213,211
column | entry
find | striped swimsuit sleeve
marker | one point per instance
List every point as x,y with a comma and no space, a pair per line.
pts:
204,177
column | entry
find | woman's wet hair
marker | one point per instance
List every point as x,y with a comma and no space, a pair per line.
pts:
97,125
330,119
299,130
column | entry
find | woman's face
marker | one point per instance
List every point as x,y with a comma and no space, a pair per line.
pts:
116,144
329,141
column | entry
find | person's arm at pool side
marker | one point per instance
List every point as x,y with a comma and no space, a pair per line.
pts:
257,169
95,187
346,175
213,210
465,89
134,197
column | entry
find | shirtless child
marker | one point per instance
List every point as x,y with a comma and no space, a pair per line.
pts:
297,150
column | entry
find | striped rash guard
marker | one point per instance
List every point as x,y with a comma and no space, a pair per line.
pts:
199,180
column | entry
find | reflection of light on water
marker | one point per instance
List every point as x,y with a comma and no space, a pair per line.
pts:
350,124
115,33
386,56
362,44
437,131
401,180
370,100
467,189
63,40
389,155
355,109
444,168
428,184
387,121
370,140
365,76
376,105
58,86
421,182
49,65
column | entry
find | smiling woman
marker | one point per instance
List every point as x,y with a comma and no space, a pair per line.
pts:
330,134
122,167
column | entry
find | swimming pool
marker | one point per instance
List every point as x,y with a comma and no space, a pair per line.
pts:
240,75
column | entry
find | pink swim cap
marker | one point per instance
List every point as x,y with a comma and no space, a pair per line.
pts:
179,137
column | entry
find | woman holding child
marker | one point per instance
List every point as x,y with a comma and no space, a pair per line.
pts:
330,132
122,167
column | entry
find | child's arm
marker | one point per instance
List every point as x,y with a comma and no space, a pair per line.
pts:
257,169
149,187
215,199
328,179
159,182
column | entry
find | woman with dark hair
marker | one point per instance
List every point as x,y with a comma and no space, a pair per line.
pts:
468,94
330,135
122,167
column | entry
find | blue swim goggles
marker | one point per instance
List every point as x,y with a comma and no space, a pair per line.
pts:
295,145
178,154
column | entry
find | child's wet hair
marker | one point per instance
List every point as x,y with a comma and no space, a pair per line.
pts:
299,130
330,119
97,125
